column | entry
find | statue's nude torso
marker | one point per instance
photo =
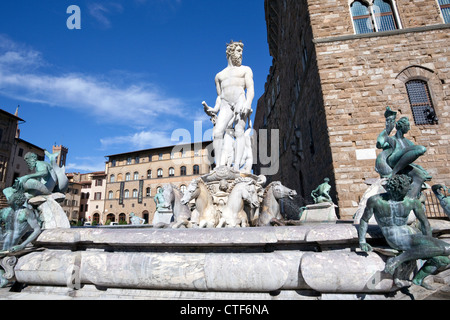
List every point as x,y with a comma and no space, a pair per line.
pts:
232,85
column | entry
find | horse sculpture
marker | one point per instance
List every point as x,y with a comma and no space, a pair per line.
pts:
270,213
181,212
233,214
197,189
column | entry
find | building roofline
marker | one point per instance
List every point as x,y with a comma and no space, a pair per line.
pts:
159,148
11,115
29,143
98,173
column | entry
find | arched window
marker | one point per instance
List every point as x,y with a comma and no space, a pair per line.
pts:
122,217
171,172
160,173
384,16
445,9
183,171
148,192
112,178
126,194
111,217
361,17
196,170
127,176
119,177
136,175
421,104
183,188
110,195
96,218
135,193
374,18
149,174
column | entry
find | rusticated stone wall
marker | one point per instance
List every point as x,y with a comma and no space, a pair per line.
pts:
334,85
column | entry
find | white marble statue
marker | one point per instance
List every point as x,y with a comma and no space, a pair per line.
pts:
235,93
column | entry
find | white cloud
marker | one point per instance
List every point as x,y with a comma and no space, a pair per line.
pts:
87,164
132,104
139,141
17,56
101,11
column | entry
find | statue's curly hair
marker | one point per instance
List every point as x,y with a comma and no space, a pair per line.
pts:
18,198
402,123
400,183
232,45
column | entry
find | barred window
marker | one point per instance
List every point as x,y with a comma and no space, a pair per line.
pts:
421,104
445,9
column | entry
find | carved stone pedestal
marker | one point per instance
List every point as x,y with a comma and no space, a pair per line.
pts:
319,213
163,216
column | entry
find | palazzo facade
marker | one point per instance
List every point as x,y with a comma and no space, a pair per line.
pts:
337,65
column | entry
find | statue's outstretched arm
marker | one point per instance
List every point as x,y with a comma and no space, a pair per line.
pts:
420,214
250,86
34,224
364,225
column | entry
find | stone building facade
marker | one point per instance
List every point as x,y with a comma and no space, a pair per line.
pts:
337,65
12,152
19,167
8,131
71,204
95,206
134,178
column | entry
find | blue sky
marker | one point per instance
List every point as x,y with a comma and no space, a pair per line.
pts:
136,71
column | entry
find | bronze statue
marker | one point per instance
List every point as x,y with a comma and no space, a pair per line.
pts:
399,153
439,192
18,218
48,177
322,193
391,211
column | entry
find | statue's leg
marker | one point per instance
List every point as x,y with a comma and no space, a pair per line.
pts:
240,143
223,120
410,155
221,223
218,144
422,247
36,188
3,281
430,267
